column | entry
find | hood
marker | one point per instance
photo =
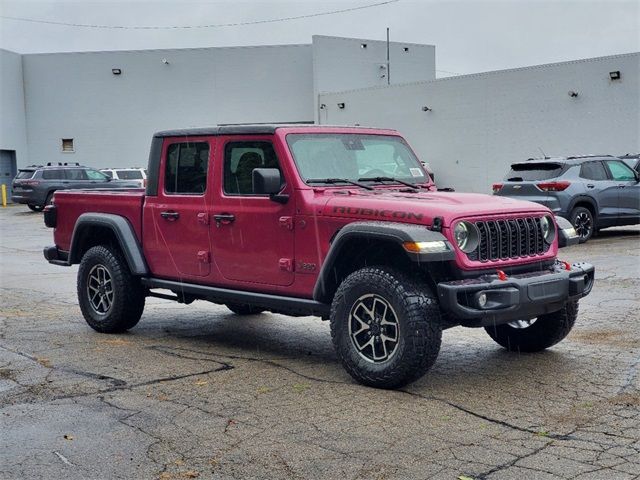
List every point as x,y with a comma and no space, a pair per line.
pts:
421,207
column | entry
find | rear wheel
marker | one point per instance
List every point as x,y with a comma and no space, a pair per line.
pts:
241,309
49,199
582,220
385,327
536,334
110,297
35,208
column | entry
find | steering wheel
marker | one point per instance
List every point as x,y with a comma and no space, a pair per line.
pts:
376,172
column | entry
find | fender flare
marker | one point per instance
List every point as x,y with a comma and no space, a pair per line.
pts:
585,199
385,231
122,230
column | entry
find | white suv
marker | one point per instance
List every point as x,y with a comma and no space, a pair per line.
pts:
138,175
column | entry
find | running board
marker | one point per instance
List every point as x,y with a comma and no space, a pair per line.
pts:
289,305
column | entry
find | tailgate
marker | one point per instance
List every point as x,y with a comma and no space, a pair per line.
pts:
70,204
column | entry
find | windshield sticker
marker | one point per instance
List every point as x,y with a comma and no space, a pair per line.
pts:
416,172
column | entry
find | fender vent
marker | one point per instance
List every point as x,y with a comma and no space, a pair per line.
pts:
512,238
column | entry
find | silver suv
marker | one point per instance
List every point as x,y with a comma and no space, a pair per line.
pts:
592,192
36,184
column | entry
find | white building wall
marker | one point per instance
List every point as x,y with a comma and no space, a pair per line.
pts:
344,64
111,117
481,123
13,133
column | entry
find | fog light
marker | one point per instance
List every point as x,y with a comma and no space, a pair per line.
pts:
482,300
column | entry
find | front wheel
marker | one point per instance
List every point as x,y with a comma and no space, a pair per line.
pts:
385,327
110,297
536,334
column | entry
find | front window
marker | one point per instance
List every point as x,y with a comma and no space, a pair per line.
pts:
620,172
354,157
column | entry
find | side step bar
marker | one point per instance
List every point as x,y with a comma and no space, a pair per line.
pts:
290,305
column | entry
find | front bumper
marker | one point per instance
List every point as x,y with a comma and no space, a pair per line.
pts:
518,297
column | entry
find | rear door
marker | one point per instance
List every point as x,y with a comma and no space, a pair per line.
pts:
252,237
602,188
176,220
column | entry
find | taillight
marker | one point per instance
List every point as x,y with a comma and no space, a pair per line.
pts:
553,186
496,187
144,183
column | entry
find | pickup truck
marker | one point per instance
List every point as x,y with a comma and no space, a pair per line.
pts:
342,223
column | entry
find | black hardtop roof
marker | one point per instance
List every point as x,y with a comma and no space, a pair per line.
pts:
243,129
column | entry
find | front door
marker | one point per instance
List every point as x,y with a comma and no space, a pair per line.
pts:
252,236
628,191
176,220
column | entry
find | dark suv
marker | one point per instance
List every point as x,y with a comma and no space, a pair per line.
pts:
633,160
593,192
35,185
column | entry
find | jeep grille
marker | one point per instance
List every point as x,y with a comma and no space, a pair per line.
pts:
510,238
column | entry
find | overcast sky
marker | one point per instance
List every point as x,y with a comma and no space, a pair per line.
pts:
470,36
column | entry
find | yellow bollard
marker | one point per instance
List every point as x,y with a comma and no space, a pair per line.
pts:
4,195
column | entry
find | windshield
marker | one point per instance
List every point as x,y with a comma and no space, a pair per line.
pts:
25,174
354,156
533,171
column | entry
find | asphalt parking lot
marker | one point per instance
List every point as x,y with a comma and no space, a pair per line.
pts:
196,392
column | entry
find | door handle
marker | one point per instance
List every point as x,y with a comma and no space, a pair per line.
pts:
224,218
590,185
622,185
171,216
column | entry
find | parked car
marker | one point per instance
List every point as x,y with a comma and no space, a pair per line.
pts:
36,184
633,160
139,175
592,192
338,222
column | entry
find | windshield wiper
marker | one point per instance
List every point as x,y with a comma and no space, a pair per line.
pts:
338,180
389,179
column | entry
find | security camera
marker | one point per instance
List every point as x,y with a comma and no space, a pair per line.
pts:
572,93
165,61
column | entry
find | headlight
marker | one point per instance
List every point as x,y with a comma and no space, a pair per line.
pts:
466,236
548,229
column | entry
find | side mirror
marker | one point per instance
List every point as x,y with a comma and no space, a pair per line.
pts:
267,181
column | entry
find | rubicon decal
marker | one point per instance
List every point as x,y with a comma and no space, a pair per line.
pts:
372,212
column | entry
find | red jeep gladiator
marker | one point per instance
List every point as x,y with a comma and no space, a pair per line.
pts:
338,222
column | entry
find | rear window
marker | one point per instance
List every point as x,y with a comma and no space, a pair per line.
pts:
25,174
533,171
129,174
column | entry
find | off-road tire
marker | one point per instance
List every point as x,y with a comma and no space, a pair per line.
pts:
577,218
418,317
35,208
49,199
242,309
128,293
545,332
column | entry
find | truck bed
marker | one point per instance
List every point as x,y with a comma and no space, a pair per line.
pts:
125,202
